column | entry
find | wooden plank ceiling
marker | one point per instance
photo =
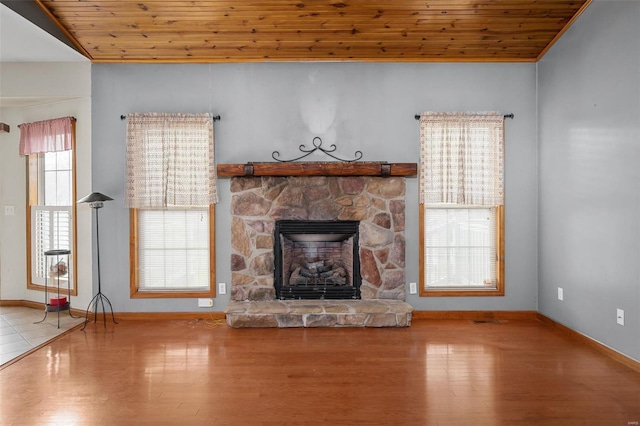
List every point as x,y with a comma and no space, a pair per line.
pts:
313,30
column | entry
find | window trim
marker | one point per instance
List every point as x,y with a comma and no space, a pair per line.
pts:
33,178
133,264
439,292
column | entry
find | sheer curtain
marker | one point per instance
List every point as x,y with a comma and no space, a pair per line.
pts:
462,159
170,161
46,136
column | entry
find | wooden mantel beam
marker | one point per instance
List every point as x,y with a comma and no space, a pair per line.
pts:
317,169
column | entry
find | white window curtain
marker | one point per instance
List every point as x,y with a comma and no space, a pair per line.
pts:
462,159
170,161
46,136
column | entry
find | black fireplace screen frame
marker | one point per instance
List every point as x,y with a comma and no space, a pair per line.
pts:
316,291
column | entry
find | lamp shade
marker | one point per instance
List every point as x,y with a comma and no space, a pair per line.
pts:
93,197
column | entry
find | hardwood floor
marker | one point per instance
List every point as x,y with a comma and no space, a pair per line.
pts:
436,372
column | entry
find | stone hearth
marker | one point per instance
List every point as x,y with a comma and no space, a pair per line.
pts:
319,313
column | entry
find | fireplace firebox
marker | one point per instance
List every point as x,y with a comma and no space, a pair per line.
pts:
316,259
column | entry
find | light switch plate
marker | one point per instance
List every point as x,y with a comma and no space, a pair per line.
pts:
222,288
413,288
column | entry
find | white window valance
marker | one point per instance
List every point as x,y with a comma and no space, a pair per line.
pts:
46,136
462,159
170,161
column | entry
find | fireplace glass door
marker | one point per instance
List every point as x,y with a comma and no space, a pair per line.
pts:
316,260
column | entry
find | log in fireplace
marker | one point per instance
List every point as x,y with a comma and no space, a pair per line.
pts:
316,259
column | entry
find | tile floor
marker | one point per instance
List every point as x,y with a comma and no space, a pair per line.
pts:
19,334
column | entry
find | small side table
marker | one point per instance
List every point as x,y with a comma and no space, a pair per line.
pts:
56,271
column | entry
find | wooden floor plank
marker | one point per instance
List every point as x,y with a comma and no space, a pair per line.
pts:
436,372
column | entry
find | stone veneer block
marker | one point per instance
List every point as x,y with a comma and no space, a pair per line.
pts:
307,308
252,321
336,309
403,320
321,320
318,313
289,320
352,320
381,320
237,308
264,307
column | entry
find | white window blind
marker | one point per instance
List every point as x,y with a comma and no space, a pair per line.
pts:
51,227
460,247
170,161
173,250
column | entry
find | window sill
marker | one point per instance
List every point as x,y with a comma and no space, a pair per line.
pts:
52,288
459,292
179,294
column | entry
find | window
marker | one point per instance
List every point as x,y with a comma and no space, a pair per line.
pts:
172,252
461,205
50,148
171,192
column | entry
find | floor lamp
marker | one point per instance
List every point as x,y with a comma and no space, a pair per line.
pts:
96,201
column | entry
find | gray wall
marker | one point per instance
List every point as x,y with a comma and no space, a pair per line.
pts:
589,137
357,106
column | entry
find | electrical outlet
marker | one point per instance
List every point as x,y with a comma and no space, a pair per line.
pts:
9,210
620,317
560,294
413,288
205,303
222,288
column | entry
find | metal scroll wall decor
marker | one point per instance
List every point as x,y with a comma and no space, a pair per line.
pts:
317,145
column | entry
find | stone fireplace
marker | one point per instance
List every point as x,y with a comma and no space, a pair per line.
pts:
377,204
350,276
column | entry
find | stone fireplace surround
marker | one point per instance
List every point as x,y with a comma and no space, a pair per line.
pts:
378,203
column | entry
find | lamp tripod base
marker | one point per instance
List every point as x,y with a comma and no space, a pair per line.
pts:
99,298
